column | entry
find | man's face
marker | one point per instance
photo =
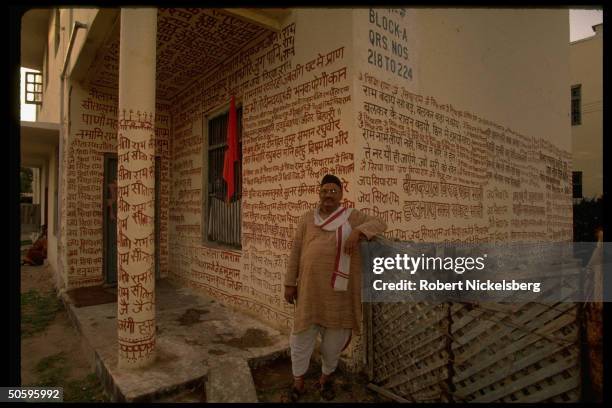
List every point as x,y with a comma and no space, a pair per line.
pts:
330,195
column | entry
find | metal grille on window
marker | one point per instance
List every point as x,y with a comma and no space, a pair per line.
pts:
576,100
33,91
223,223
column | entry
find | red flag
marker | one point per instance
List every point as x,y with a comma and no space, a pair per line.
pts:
231,153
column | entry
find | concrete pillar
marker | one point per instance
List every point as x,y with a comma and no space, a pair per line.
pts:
44,184
136,188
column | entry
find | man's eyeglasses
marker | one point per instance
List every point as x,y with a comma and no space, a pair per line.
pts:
324,191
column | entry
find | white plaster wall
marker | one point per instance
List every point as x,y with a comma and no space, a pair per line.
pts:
508,65
49,111
586,68
495,80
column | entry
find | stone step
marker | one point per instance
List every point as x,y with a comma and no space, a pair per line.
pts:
112,389
230,380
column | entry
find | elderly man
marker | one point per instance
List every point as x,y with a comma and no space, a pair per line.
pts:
324,280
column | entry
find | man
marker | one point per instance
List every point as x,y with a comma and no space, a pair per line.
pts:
324,281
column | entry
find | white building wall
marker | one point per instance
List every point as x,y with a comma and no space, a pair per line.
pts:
50,109
586,69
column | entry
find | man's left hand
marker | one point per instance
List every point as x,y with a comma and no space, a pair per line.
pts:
352,242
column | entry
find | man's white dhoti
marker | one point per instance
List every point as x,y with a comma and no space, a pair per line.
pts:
333,341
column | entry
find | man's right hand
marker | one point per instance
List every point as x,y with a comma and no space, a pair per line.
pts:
290,294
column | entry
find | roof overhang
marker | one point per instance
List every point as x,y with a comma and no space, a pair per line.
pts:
34,32
37,141
179,63
270,19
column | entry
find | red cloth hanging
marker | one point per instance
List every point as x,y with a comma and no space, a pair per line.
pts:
231,153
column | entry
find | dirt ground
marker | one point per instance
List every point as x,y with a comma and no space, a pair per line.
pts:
272,380
49,341
48,356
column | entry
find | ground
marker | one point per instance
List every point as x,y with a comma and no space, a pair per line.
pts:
51,354
275,378
49,341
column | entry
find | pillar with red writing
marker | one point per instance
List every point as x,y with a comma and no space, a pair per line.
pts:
136,188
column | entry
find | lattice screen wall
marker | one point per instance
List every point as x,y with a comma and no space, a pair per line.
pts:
482,353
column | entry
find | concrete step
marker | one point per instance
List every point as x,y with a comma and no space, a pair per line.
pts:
185,390
185,350
230,380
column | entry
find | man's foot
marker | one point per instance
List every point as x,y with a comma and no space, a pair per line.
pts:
326,388
292,395
295,392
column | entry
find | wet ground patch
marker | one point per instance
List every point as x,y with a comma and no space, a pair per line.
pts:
251,338
92,296
191,317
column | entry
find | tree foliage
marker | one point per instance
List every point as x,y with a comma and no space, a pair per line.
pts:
588,215
26,176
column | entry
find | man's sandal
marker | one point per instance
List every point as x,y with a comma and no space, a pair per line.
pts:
326,390
292,395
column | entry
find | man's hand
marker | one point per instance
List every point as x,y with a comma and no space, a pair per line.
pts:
352,242
290,294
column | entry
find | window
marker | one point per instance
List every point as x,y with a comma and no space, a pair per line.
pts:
577,184
33,88
576,100
222,220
